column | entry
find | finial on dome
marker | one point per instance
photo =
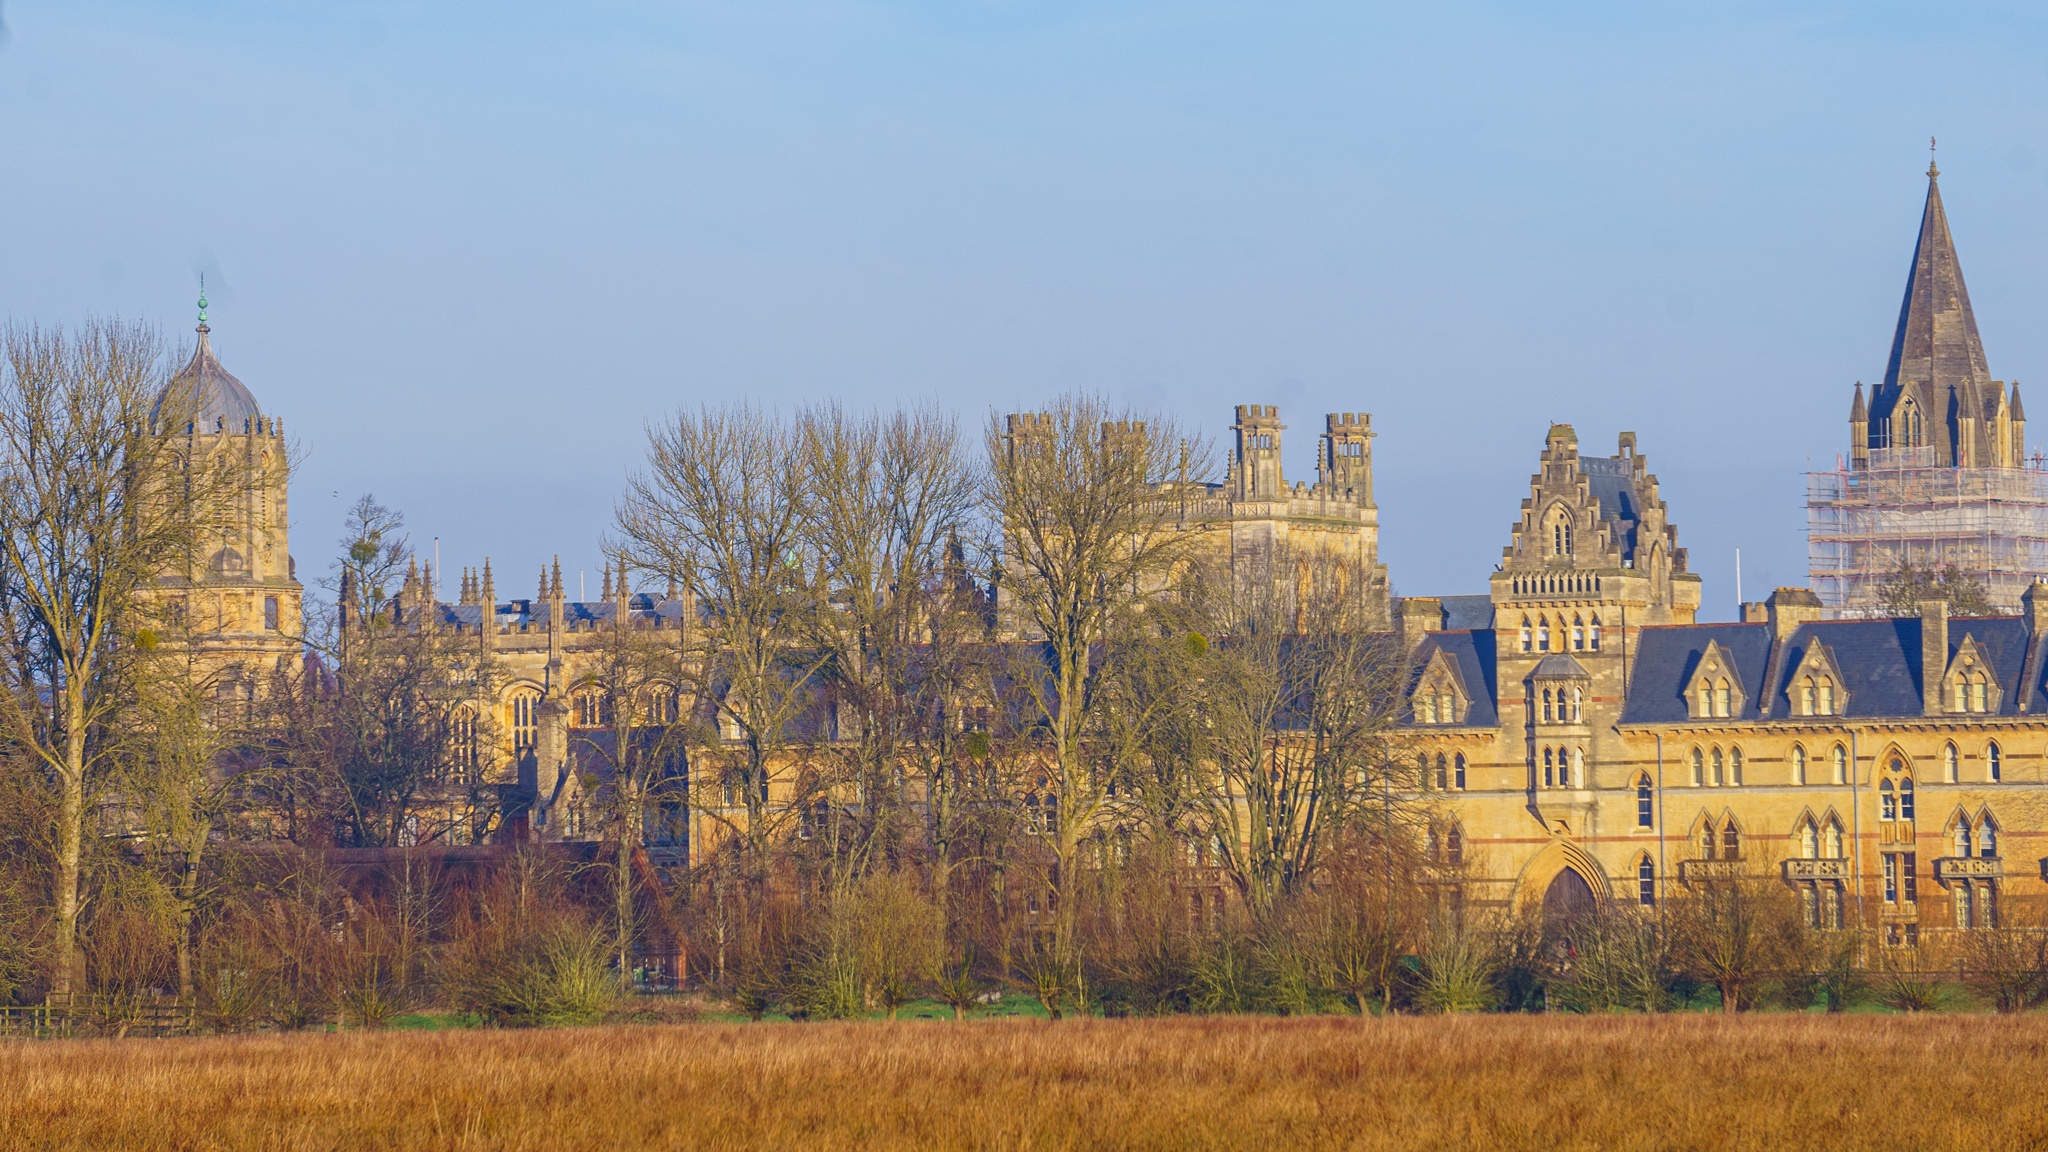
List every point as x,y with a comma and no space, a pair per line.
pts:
202,299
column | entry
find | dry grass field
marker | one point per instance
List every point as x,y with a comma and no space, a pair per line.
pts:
1556,1082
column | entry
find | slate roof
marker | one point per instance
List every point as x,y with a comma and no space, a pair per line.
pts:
1879,661
1473,654
1559,664
1467,613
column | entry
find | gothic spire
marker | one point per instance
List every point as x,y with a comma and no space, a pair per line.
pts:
1936,347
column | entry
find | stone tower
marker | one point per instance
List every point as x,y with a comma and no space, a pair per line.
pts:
240,605
1937,393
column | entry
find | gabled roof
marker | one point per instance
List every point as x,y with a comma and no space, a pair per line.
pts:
1472,653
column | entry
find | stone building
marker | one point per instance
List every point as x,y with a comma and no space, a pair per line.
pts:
1589,739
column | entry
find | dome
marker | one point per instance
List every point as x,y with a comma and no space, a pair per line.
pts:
220,401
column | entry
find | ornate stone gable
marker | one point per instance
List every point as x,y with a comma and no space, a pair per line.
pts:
1715,689
1816,686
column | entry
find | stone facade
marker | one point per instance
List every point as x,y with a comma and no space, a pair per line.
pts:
1586,737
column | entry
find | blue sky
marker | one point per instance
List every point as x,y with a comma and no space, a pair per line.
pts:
468,250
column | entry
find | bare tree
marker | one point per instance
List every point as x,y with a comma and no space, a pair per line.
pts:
722,510
101,495
1082,499
888,499
372,739
1302,700
1736,935
637,680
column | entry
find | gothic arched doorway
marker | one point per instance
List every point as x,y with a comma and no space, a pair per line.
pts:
1568,898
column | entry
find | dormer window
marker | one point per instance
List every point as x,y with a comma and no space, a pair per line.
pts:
1969,686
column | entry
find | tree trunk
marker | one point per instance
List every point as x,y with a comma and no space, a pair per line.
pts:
70,844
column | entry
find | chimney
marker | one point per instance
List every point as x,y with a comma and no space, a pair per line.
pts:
1420,615
2034,608
1787,609
1933,653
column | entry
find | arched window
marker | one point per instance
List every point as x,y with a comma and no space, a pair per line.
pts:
1798,764
1446,706
1963,845
1706,699
1809,701
1906,798
1528,638
1735,767
1720,769
463,740
1443,773
1458,771
1578,705
1708,841
1546,705
1578,779
1987,837
1543,633
1831,841
1980,693
1698,775
1593,635
1809,840
1646,880
1454,845
1731,842
1646,800
1578,635
1840,761
1549,769
1723,698
1948,763
1887,801
1964,910
525,721
1827,696
1994,762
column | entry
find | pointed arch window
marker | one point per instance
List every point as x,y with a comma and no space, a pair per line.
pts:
1840,764
1809,840
1735,767
1887,801
1987,837
1549,769
1994,762
1698,772
1949,770
1731,841
1827,696
1708,841
1906,798
1578,779
1798,764
1831,840
1646,803
1964,845
1578,705
1546,705
1593,634
1720,776
1543,633
1458,771
1578,634
1809,698
1528,635
1646,880
1454,844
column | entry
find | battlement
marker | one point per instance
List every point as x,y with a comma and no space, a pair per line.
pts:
1258,415
1348,423
1028,423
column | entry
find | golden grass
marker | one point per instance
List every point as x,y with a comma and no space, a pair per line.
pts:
1557,1082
